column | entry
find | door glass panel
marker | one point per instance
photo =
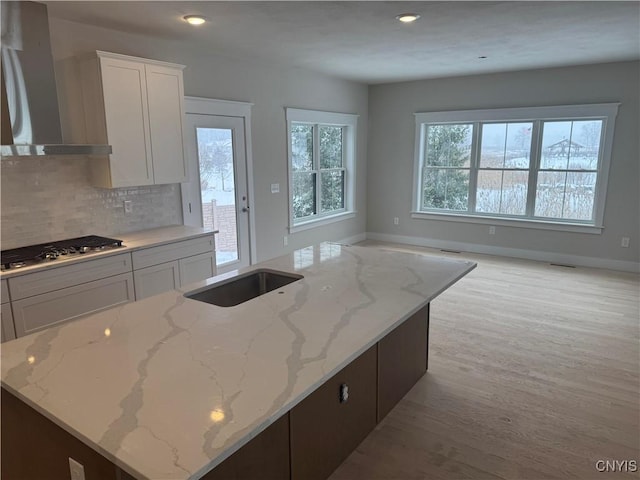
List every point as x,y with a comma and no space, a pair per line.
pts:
218,192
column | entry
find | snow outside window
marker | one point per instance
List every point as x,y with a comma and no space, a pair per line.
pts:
546,167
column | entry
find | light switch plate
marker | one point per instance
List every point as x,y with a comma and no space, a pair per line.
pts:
127,206
275,188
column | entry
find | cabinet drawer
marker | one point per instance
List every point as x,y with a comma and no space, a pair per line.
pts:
4,291
68,276
8,331
325,431
41,311
171,251
154,280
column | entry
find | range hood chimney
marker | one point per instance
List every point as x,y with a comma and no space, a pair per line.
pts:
30,113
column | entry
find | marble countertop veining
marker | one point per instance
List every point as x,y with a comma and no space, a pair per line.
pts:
130,241
168,387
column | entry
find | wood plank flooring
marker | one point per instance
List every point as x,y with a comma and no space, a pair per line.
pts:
533,374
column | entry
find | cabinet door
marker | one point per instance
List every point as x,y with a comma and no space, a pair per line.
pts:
196,268
4,291
265,457
324,430
33,447
41,311
156,279
402,360
166,116
8,331
127,120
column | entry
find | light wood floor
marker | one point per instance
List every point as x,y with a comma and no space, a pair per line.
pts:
533,374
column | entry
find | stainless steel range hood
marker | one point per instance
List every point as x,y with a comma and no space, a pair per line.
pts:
30,114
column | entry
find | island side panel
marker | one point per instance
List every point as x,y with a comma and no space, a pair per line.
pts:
325,431
34,448
402,360
265,457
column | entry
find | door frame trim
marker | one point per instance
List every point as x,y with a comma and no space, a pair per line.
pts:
230,108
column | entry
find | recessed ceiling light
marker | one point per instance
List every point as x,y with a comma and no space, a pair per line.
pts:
408,17
194,19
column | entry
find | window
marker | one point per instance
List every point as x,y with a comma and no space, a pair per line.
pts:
544,166
321,167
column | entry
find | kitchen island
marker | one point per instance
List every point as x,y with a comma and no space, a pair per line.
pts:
169,387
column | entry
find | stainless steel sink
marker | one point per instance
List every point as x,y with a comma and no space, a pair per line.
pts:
240,289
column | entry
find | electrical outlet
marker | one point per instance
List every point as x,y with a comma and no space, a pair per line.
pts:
76,469
275,188
625,242
492,230
285,240
127,206
396,220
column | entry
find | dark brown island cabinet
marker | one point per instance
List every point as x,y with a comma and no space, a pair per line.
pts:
307,443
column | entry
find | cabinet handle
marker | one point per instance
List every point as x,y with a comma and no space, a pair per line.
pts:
344,393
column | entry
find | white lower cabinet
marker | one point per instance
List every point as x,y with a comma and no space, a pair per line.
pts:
41,311
8,331
183,263
6,320
196,268
39,300
42,299
153,280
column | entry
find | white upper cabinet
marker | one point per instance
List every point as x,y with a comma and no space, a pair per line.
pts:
126,109
136,106
165,93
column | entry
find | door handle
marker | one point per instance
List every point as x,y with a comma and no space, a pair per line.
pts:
245,209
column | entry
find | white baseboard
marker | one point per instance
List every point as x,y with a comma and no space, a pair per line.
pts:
360,237
549,257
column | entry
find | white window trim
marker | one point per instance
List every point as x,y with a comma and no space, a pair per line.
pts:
605,111
348,120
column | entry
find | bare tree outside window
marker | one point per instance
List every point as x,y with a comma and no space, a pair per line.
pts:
569,163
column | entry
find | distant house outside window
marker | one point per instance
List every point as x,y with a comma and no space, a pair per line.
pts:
321,151
545,167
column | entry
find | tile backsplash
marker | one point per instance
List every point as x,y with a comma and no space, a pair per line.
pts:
50,198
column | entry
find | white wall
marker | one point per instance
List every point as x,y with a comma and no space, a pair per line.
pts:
391,157
271,89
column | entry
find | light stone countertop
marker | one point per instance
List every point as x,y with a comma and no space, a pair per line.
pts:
130,241
168,387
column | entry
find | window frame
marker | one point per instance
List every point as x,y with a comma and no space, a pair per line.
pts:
606,112
317,118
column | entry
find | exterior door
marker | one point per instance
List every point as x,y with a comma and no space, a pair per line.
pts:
217,195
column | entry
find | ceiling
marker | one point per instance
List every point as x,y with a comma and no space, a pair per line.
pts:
363,41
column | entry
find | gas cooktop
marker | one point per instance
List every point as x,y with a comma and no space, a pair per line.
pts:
46,252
